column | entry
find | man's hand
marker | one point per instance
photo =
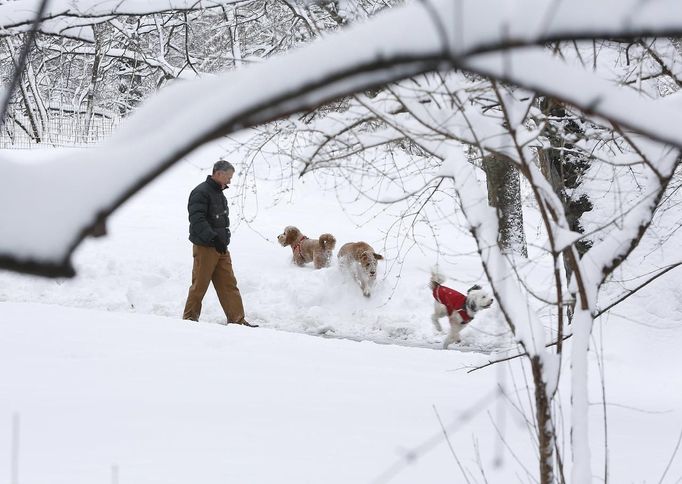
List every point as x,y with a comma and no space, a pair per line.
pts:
219,245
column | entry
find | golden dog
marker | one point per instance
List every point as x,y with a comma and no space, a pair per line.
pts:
317,251
360,260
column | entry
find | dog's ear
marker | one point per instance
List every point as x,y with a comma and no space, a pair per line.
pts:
471,305
475,287
378,256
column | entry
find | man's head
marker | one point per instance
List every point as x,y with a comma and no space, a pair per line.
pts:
222,173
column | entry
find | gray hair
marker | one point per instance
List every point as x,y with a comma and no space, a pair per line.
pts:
222,165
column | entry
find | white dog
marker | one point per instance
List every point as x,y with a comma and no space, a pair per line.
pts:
459,308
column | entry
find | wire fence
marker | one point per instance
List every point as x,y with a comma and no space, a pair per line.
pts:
56,128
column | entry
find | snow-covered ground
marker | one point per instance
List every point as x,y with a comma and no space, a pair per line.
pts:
171,402
110,385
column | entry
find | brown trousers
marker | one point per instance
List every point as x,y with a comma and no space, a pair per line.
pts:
211,266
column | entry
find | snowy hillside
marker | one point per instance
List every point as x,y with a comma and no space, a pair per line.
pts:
171,402
113,397
110,385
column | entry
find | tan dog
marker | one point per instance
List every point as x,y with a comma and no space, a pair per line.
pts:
361,261
317,251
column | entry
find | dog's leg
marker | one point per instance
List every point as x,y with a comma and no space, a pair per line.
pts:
364,285
438,312
436,323
322,259
455,328
298,260
369,285
359,276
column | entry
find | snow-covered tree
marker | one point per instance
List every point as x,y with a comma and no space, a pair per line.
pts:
403,69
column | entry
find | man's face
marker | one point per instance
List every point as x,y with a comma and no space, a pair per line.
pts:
223,178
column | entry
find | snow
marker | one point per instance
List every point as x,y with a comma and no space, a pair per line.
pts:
108,383
166,401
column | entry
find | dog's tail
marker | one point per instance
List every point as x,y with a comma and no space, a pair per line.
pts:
327,241
436,279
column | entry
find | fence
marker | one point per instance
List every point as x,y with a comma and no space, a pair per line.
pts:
62,128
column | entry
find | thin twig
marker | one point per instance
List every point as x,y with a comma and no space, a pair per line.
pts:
518,355
672,457
15,449
452,450
511,451
648,281
431,442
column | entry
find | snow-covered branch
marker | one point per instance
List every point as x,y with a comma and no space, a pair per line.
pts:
66,15
538,70
522,319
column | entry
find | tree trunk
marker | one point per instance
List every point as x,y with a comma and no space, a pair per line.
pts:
544,422
93,83
37,133
130,86
28,106
504,193
233,21
564,169
40,109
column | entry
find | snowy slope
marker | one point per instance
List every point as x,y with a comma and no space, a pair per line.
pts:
144,399
171,402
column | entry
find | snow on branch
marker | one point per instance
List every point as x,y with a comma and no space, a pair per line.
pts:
466,124
68,18
594,267
538,70
22,12
606,255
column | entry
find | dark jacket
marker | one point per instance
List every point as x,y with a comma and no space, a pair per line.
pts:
209,215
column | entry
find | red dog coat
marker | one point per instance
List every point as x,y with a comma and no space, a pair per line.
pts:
453,301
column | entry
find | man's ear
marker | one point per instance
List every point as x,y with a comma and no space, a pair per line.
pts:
475,287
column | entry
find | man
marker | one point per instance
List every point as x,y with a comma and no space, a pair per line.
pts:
209,232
